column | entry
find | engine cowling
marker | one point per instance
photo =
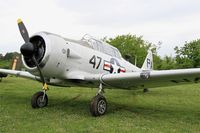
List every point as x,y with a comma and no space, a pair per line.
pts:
50,53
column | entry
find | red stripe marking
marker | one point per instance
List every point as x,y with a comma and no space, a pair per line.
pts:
106,65
122,70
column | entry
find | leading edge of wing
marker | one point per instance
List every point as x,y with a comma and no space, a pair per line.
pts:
18,73
152,78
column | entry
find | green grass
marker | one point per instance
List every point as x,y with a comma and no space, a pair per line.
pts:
5,63
162,110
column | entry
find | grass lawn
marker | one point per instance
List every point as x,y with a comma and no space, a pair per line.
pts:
162,110
5,63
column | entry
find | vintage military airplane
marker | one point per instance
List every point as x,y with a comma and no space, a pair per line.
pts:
55,60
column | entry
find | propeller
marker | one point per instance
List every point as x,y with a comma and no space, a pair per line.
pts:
29,50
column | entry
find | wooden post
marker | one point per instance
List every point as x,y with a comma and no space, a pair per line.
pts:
14,64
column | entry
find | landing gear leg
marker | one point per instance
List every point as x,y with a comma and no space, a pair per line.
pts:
98,105
101,90
40,99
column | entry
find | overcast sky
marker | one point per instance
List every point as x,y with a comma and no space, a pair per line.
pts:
171,22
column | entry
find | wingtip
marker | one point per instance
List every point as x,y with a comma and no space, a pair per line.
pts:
19,20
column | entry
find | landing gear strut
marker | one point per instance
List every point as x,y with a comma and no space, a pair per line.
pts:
40,99
98,105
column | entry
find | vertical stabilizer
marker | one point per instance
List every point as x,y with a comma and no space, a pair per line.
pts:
148,62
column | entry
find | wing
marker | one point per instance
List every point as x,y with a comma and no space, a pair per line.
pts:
19,73
150,79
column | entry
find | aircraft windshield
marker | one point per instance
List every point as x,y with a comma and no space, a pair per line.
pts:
101,46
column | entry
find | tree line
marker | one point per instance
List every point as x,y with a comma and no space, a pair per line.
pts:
7,59
135,49
9,55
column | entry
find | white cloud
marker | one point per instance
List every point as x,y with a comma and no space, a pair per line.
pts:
172,22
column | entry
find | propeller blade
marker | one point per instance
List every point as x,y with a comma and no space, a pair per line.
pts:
27,49
23,30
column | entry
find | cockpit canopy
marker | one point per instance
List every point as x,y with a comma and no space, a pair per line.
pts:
91,42
101,46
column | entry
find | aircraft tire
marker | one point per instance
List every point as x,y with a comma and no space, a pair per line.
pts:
98,105
37,102
145,90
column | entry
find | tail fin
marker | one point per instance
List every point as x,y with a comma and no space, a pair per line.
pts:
148,63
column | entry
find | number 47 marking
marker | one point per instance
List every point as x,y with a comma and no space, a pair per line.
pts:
95,61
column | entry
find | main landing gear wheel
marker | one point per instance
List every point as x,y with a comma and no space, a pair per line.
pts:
98,105
39,100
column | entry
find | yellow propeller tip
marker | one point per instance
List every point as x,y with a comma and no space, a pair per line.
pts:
19,21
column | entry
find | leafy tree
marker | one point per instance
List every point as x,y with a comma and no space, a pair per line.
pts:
1,56
134,47
189,55
9,56
168,62
6,61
